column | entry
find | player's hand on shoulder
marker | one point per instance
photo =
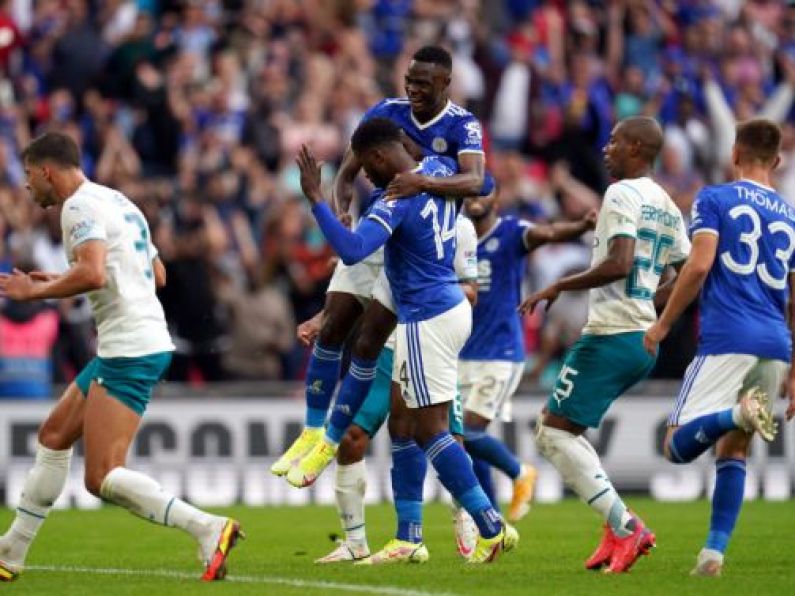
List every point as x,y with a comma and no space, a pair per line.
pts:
310,174
549,294
16,285
405,184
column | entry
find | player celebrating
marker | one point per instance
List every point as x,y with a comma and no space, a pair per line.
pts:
434,317
742,257
492,360
639,233
435,126
113,260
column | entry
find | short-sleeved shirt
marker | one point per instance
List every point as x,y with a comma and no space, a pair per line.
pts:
638,208
743,302
419,256
129,316
496,324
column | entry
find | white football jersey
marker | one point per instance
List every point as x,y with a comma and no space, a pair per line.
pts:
465,260
129,317
641,209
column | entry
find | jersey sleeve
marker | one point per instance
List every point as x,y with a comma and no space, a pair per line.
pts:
705,216
388,213
466,250
468,135
620,212
79,224
379,110
521,236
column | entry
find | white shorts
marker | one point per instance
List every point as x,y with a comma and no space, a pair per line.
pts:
487,386
426,356
382,293
715,383
357,279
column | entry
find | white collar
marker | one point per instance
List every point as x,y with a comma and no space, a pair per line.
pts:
433,120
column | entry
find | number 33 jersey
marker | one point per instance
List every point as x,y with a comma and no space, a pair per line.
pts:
744,299
129,317
637,208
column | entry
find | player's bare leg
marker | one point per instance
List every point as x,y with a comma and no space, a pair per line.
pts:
625,538
340,315
350,486
45,481
109,427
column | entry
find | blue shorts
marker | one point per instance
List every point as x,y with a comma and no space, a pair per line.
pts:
130,380
375,409
596,371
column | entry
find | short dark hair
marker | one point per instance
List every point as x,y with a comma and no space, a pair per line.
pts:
758,140
56,147
434,55
373,133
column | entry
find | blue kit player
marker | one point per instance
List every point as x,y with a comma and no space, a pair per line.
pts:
742,264
434,317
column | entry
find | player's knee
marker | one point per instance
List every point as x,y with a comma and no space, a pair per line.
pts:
368,345
334,330
353,446
53,437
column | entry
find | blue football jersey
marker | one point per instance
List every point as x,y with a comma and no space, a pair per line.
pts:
418,258
745,295
496,325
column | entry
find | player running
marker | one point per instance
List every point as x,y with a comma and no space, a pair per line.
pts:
434,317
639,233
492,360
112,260
435,126
742,264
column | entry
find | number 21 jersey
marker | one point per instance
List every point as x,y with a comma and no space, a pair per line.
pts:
129,317
744,298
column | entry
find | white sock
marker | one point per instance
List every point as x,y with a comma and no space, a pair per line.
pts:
143,496
579,465
43,486
350,485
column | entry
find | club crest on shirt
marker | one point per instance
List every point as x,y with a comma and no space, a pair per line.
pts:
439,145
492,245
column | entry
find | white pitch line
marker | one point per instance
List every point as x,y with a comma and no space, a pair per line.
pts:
243,579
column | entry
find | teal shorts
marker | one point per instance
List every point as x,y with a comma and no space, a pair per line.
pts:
375,409
130,380
596,370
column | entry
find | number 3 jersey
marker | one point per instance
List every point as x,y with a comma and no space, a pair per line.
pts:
744,299
638,208
129,317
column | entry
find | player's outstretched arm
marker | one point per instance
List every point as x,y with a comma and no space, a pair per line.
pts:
560,231
86,274
342,190
616,265
686,289
467,183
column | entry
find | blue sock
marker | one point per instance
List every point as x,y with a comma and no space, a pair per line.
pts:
726,502
408,477
321,380
455,472
694,438
481,445
483,472
355,387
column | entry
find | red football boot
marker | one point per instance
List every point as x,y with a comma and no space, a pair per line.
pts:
601,556
627,550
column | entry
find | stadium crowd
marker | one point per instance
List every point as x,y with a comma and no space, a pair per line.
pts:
195,109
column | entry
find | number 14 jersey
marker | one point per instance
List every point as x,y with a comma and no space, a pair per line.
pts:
744,299
129,317
638,208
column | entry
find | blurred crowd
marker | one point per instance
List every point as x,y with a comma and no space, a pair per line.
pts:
195,109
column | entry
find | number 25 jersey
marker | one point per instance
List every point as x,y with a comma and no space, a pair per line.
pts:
638,208
129,317
744,298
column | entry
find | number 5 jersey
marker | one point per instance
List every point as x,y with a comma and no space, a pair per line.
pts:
638,208
129,317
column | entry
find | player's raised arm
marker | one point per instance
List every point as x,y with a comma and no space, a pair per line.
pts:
563,231
86,274
342,192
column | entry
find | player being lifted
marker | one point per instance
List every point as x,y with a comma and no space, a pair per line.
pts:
113,260
434,318
434,125
492,360
742,264
639,233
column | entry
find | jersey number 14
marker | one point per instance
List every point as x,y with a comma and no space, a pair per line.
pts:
446,230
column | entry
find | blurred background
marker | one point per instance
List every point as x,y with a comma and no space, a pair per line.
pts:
195,110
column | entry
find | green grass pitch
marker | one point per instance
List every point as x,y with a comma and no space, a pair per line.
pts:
113,552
